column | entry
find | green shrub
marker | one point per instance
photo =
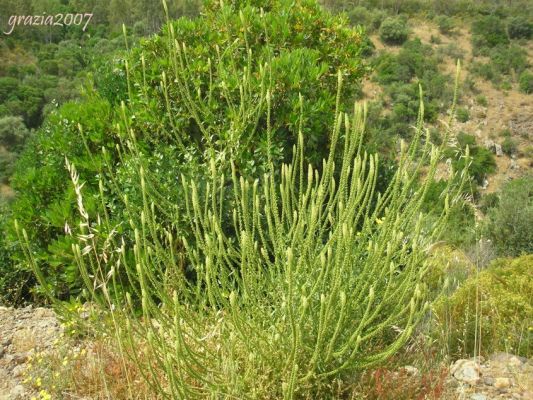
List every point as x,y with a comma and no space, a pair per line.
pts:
371,19
488,201
509,59
315,276
520,27
435,136
482,160
45,199
482,100
7,164
525,82
491,311
488,31
506,133
446,25
486,71
509,146
181,116
435,39
13,133
401,74
452,51
394,30
509,225
462,114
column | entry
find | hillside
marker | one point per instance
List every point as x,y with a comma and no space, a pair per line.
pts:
502,114
267,199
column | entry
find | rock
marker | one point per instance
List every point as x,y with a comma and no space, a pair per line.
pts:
18,370
21,330
488,380
412,371
19,358
478,396
466,371
498,150
17,392
489,144
515,362
23,340
502,383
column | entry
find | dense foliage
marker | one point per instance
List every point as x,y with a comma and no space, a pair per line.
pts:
491,311
184,103
509,220
394,30
315,276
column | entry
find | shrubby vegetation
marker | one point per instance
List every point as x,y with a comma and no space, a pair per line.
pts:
486,313
509,221
303,285
394,30
13,134
526,82
182,115
222,187
482,160
43,68
520,27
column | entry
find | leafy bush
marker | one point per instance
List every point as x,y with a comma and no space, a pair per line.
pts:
488,31
501,297
394,30
13,133
488,201
370,19
462,114
482,100
485,71
508,59
526,82
307,283
45,199
520,27
509,146
7,164
452,51
482,160
401,75
461,219
183,115
446,25
509,224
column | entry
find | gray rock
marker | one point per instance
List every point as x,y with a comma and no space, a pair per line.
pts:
18,370
498,150
17,392
488,380
478,396
502,383
466,371
412,371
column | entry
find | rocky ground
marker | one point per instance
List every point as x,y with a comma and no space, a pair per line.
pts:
501,376
25,332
